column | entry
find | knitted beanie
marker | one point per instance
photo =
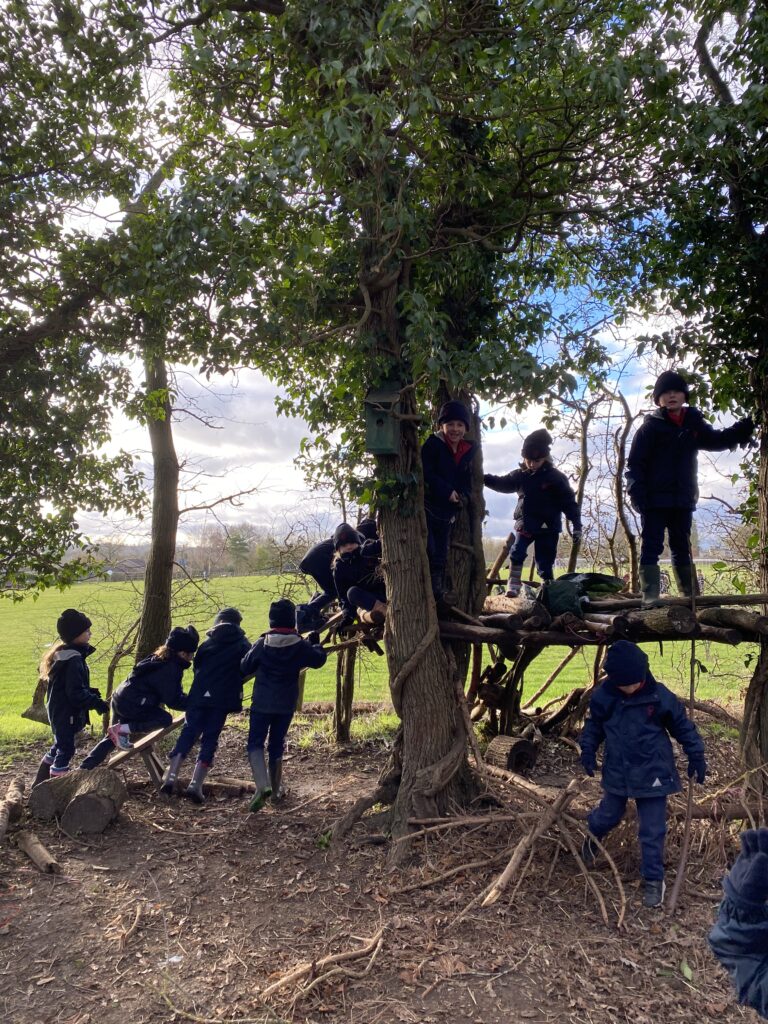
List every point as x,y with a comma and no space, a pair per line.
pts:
71,623
669,381
228,615
282,614
345,534
367,529
625,664
537,445
454,411
180,639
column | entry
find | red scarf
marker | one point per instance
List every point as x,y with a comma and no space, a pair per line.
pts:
461,449
677,417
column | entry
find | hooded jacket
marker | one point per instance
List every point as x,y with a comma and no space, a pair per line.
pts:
443,475
276,659
638,760
218,681
154,681
544,495
739,940
69,696
359,568
662,469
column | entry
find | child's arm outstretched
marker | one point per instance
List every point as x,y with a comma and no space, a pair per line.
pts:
739,938
593,734
508,484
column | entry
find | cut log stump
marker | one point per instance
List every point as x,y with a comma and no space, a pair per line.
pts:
512,753
84,801
12,807
28,843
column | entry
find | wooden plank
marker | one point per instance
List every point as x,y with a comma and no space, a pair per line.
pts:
151,765
145,743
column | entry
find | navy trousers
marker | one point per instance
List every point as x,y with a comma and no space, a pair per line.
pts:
678,523
544,550
361,598
263,723
204,724
651,831
63,749
438,544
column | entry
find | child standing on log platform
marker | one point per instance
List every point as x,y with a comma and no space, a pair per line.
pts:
216,691
137,702
276,659
662,479
446,459
544,495
69,695
635,716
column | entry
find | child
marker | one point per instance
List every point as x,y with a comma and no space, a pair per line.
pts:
357,576
446,459
633,714
544,494
136,703
739,939
276,659
217,690
662,479
69,696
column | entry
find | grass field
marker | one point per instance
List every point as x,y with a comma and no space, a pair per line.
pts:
28,627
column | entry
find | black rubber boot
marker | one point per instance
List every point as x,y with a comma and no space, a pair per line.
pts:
194,790
515,581
685,577
276,779
259,769
590,851
653,894
650,585
171,774
43,773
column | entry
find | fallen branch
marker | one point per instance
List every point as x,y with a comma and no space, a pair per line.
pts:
28,843
12,806
302,970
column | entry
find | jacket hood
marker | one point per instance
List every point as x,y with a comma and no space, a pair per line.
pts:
281,639
153,663
225,633
80,651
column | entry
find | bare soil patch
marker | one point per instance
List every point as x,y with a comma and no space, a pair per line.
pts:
180,913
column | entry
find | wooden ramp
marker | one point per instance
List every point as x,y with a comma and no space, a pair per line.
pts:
145,750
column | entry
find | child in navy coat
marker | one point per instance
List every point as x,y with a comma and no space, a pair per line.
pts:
635,716
137,702
446,459
662,479
69,695
357,576
544,494
276,659
739,939
216,691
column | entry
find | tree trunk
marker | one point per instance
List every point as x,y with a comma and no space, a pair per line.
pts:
754,734
345,692
84,801
156,607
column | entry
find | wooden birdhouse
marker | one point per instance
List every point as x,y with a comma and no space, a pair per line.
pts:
382,426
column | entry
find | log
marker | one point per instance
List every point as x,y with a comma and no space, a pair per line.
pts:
475,634
735,618
502,620
85,801
514,753
12,806
720,634
28,843
672,619
619,604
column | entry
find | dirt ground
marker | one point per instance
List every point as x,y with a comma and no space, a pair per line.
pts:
179,913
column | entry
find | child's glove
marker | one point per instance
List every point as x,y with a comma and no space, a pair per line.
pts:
589,764
747,881
101,706
697,766
313,637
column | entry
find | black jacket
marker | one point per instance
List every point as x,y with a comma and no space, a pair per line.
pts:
442,475
359,568
218,682
317,564
544,495
276,659
69,696
662,461
151,683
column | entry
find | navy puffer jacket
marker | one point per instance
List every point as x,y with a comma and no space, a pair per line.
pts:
359,568
317,564
638,760
545,494
662,470
276,659
218,681
154,681
739,940
68,697
442,475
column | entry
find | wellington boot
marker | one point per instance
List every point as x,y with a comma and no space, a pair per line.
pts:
650,584
685,578
260,777
515,580
276,779
194,790
171,774
375,616
43,773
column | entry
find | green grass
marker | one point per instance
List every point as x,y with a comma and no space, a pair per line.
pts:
28,627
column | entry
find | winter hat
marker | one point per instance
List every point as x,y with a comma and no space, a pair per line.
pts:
454,411
71,623
537,445
669,381
625,664
228,615
345,534
367,528
282,614
180,639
